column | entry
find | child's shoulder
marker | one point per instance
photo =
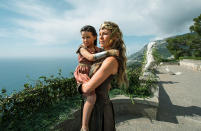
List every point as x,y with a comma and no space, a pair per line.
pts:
81,46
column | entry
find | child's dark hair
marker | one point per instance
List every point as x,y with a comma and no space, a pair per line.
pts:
91,29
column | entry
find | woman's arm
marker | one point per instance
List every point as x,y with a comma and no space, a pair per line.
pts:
94,57
108,67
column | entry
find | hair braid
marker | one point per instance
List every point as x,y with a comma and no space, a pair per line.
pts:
118,43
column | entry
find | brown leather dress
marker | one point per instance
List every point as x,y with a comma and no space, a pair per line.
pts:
102,116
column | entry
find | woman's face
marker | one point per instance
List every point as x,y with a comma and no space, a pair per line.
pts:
87,38
104,38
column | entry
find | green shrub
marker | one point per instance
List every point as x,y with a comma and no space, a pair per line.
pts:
187,45
137,87
46,92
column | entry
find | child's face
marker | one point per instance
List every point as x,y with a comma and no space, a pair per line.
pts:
87,38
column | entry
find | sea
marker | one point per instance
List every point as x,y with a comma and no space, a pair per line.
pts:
15,72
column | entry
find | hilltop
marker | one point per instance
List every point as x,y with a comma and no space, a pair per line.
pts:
161,47
176,47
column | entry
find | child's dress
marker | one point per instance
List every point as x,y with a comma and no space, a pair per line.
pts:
80,75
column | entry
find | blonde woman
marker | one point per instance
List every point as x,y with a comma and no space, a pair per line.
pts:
102,117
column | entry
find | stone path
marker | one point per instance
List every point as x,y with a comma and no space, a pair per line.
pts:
179,103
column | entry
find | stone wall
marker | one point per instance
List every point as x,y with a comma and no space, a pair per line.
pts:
191,64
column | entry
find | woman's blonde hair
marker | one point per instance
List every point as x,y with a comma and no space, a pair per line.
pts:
117,42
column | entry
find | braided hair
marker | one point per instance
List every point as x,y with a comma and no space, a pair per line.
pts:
117,42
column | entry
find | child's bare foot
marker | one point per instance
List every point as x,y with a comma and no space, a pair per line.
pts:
84,129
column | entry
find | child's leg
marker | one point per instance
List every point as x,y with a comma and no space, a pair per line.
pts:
87,109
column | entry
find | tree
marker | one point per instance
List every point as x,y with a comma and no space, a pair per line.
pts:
196,27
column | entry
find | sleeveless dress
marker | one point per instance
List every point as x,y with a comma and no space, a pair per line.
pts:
102,116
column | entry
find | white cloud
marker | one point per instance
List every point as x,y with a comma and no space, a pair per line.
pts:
46,26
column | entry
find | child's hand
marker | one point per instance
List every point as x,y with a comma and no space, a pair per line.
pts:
113,52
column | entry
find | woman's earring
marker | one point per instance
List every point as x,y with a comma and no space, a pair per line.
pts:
110,41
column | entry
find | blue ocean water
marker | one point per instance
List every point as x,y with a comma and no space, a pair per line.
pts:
14,73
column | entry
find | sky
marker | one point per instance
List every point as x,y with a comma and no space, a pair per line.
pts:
50,28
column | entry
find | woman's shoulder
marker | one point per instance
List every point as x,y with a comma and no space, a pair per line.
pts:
111,63
111,59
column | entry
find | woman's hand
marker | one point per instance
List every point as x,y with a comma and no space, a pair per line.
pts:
88,94
84,86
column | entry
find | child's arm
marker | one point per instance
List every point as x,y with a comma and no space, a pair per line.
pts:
86,54
97,56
